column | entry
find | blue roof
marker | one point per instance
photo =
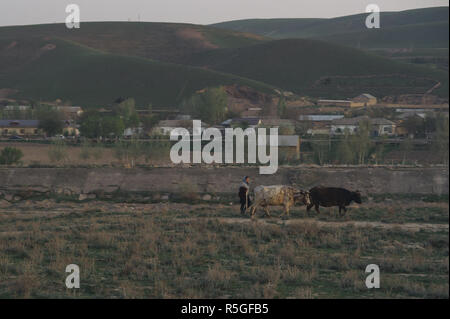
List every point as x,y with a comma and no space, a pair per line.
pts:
19,123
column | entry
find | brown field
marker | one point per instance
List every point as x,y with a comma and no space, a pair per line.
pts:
180,250
38,154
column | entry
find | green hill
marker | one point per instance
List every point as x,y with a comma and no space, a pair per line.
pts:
419,28
318,68
159,41
162,63
53,68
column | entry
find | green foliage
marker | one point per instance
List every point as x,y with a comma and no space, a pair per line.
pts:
321,151
10,155
149,122
50,120
286,130
126,110
441,140
361,142
414,126
93,124
281,108
302,128
210,105
345,153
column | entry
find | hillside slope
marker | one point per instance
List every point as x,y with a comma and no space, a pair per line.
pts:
159,41
423,28
53,68
321,69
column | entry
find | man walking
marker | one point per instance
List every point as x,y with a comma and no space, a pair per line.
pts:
243,194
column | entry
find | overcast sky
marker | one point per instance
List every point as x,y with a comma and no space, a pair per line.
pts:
19,12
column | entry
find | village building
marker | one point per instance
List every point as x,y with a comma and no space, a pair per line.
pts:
378,126
366,99
342,103
17,107
19,127
277,123
359,101
130,132
252,112
166,126
250,122
70,128
70,112
319,124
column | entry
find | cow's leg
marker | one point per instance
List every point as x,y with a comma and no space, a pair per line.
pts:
286,209
266,210
344,209
252,209
308,208
316,206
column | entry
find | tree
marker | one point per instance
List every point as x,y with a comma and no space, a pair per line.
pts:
321,150
406,146
94,125
344,152
441,140
91,124
210,105
361,142
149,122
302,128
126,109
414,126
50,121
10,155
281,108
378,155
112,126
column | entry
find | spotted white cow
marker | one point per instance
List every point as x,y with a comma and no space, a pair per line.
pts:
278,195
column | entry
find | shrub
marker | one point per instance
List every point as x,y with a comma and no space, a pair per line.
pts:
10,155
58,152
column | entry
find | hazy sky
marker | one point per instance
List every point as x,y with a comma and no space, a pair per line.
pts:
18,12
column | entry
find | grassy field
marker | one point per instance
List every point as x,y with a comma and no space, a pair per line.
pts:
176,250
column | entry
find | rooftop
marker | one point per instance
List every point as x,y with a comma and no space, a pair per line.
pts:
366,95
319,118
277,122
19,123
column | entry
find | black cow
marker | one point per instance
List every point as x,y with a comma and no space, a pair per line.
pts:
332,196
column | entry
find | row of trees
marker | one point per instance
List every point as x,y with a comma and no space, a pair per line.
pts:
210,105
360,149
94,124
